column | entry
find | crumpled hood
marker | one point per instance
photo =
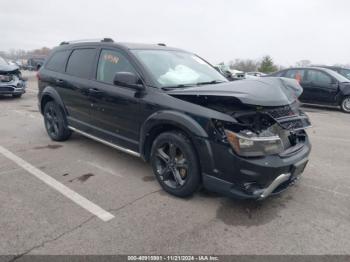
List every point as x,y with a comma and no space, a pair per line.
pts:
8,68
266,91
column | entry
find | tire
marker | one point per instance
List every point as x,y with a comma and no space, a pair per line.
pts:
55,122
345,104
17,96
175,164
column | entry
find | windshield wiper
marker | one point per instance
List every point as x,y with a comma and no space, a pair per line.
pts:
178,86
210,82
192,85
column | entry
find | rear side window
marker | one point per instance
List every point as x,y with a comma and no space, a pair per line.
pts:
58,61
81,62
296,74
111,62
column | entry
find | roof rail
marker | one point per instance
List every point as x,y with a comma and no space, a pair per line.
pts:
107,40
104,40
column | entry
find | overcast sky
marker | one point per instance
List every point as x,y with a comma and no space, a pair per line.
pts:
219,30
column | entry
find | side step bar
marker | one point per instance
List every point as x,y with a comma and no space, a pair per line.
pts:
125,150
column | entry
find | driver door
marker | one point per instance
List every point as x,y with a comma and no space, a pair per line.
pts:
324,87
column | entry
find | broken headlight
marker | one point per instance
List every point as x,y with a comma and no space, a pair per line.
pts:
248,144
5,78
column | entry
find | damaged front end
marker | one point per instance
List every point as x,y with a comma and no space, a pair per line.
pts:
266,131
265,147
272,147
11,81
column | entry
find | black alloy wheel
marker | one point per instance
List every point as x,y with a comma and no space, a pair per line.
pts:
175,164
55,122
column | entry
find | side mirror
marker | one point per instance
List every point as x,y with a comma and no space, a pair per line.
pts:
128,79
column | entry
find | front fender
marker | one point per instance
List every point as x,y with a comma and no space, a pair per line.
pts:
190,126
180,120
345,90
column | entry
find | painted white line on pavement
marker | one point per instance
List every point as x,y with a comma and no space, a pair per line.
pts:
104,169
75,197
22,113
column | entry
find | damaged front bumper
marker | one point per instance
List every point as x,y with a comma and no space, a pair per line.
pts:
255,178
14,87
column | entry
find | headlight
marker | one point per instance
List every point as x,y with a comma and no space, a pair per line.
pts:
249,145
5,78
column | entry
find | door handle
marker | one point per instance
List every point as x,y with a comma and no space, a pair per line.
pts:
94,91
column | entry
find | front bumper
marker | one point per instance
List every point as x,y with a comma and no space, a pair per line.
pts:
12,88
255,178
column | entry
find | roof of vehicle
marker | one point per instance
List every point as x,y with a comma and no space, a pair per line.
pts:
334,67
309,67
124,45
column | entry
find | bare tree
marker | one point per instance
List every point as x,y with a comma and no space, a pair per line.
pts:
303,63
15,54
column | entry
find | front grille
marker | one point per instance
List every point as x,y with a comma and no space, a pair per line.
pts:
283,111
289,116
293,124
6,89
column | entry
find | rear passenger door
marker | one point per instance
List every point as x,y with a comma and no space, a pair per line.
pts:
115,111
76,86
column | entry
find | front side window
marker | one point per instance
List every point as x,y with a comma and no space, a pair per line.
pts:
81,62
345,72
58,61
296,74
176,68
319,78
110,63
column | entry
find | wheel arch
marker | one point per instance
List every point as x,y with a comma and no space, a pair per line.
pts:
50,94
167,121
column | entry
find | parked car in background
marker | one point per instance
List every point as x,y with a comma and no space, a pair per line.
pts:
230,74
341,70
321,86
34,63
11,81
245,139
258,74
225,71
19,63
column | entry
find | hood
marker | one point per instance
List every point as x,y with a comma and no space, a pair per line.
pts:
8,68
267,91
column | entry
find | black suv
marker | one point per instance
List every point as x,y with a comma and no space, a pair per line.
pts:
245,139
321,86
